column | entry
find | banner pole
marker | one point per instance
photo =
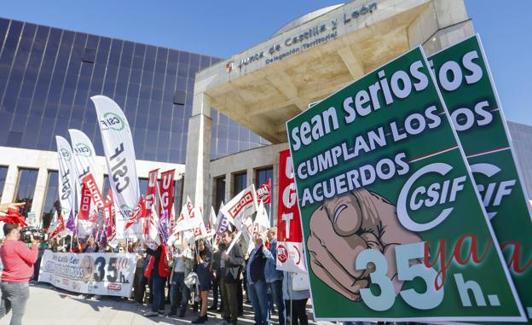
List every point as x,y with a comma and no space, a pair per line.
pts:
290,297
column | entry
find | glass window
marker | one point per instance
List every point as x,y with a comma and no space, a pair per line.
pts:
3,175
27,179
219,192
262,175
239,182
51,202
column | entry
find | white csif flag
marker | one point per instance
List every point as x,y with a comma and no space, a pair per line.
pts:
84,153
67,180
120,158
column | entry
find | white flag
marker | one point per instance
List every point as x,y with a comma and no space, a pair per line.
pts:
120,158
212,220
153,227
84,153
261,222
187,221
243,204
67,180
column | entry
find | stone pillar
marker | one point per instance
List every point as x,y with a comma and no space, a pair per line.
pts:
10,186
275,188
444,23
199,152
39,194
228,187
250,177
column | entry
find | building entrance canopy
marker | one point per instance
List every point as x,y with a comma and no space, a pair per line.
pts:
263,87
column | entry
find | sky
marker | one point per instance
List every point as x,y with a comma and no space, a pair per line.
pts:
223,28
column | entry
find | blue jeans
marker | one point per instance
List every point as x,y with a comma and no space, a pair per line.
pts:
276,288
158,293
185,296
176,291
14,297
259,300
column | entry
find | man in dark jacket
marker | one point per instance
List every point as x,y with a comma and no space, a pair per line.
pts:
256,283
216,289
230,268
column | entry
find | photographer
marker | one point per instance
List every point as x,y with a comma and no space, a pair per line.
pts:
18,262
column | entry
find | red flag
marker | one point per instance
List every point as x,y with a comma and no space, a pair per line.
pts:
264,192
151,195
13,216
89,181
139,212
289,236
166,193
59,228
85,205
109,214
151,190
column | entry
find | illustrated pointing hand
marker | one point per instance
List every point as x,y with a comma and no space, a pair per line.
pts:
344,226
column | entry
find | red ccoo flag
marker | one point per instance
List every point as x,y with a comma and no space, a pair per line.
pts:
139,212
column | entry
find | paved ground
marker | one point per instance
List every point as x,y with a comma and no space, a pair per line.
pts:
50,306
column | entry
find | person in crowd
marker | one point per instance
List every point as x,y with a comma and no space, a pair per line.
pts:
43,245
157,269
139,281
295,302
203,270
255,280
91,247
177,279
216,272
230,268
274,278
188,260
18,261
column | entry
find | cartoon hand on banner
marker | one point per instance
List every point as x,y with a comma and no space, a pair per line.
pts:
346,225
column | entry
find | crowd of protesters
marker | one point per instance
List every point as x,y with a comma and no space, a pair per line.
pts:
181,275
184,276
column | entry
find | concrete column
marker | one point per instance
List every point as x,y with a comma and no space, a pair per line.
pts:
8,195
275,188
40,193
228,187
250,177
198,152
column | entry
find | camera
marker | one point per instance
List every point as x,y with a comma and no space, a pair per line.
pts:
27,234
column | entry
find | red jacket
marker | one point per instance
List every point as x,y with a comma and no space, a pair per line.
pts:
18,261
163,269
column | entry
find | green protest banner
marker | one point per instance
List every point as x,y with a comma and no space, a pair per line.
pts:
393,225
465,81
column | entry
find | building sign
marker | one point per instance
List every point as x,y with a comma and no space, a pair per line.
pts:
393,225
301,40
465,81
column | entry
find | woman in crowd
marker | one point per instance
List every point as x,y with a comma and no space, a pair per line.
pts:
203,270
92,246
295,301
